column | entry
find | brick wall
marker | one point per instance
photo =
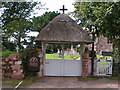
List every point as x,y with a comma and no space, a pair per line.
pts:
11,67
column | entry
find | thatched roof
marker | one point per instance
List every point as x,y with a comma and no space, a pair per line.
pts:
63,29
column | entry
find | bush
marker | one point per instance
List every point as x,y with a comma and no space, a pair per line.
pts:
6,53
116,69
4,48
26,54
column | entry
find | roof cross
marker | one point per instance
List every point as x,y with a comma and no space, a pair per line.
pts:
63,9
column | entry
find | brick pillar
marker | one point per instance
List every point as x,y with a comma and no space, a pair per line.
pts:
85,62
42,58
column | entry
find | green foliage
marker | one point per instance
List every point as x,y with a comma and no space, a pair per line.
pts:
15,20
41,21
6,53
4,48
9,45
26,54
116,51
104,16
116,69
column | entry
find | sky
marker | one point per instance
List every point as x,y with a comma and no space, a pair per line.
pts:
53,5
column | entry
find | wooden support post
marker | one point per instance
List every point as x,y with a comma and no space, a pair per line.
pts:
62,51
82,48
93,56
43,50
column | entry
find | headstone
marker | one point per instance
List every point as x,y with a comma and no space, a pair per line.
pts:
17,49
56,55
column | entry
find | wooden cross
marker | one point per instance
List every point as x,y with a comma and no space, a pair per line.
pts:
17,49
63,9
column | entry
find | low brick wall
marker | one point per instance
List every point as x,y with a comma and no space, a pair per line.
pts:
11,67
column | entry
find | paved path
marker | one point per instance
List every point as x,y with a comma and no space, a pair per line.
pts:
73,82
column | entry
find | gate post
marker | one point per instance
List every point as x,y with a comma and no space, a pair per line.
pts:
85,61
42,57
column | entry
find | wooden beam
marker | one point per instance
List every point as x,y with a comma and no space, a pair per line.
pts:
82,48
62,51
43,51
52,42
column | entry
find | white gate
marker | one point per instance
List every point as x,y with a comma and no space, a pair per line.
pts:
62,67
104,67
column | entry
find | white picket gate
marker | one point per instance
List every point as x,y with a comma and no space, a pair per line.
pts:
104,67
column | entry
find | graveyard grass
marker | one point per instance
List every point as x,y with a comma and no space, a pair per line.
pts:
104,57
51,56
103,63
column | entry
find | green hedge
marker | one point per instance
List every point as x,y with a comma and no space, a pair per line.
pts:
26,54
6,53
116,69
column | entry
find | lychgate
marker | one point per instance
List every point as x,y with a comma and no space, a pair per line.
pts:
64,30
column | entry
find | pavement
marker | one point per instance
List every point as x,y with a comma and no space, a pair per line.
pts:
73,82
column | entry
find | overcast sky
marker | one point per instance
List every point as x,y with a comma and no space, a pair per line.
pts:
53,5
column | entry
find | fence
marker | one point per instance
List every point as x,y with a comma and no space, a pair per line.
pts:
104,67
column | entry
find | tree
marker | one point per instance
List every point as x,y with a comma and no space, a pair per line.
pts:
15,22
105,16
41,21
85,16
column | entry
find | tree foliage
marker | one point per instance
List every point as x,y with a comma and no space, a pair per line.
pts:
41,21
15,22
105,16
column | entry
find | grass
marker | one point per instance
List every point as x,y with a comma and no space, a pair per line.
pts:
51,56
26,82
114,78
104,57
103,63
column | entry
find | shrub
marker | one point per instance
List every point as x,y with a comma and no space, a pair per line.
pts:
116,69
6,53
26,54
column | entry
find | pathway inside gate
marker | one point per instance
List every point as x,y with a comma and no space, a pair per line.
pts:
73,82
